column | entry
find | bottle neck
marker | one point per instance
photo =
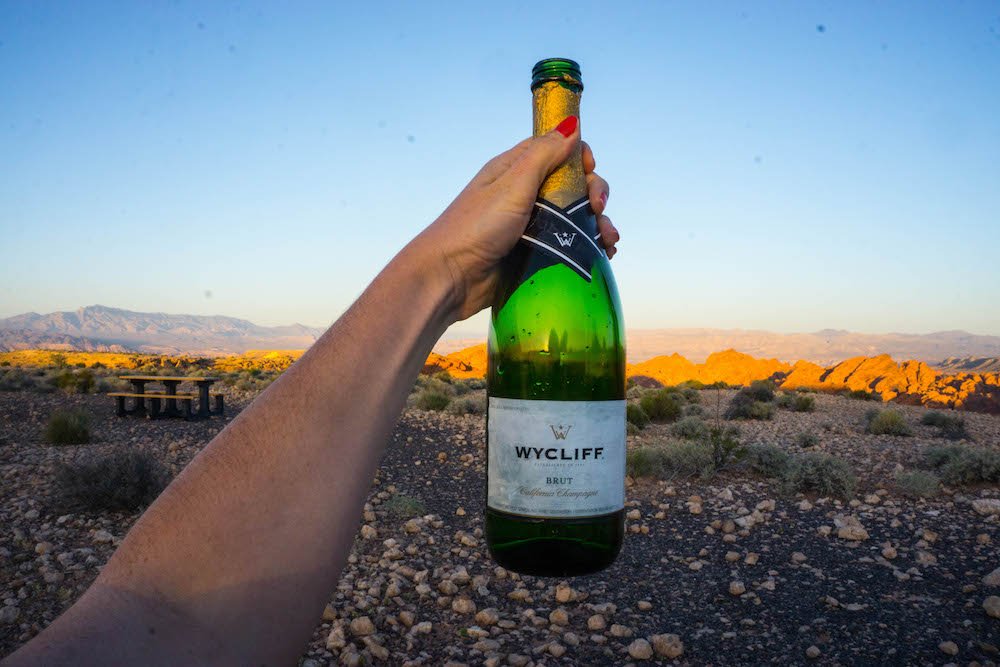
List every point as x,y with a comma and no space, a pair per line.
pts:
554,101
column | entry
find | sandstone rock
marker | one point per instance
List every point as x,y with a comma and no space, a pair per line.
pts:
9,615
620,630
993,578
362,626
813,652
667,645
991,606
556,649
644,605
633,515
986,506
737,588
329,613
596,622
751,558
336,640
487,617
565,594
559,617
422,628
463,605
849,528
889,552
368,532
640,650
799,557
102,536
949,648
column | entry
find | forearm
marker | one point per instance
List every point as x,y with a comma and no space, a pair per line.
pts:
248,541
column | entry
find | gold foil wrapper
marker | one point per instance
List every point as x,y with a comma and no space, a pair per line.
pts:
552,103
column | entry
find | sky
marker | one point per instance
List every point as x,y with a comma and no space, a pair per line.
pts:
780,166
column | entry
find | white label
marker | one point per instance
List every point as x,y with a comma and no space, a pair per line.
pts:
558,459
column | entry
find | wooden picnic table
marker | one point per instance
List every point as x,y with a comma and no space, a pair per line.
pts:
171,397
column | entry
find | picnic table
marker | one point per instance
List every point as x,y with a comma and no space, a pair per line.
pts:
170,397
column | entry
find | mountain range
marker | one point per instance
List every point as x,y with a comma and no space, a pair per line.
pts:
104,329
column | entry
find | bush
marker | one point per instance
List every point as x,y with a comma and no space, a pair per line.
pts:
725,444
690,428
430,399
674,459
693,410
767,460
886,422
662,405
960,464
474,384
68,427
806,440
745,406
124,480
796,402
636,416
761,390
401,506
917,483
861,395
819,473
951,427
467,405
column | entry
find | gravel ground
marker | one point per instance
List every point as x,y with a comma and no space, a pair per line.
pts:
721,572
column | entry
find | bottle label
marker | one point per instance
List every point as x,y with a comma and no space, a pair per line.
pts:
556,459
569,235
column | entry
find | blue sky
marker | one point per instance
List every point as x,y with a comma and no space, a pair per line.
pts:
783,166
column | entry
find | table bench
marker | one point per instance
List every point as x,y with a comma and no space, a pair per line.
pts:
164,404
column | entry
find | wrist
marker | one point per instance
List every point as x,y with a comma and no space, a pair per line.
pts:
436,279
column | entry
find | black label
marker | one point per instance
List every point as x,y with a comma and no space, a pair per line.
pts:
569,235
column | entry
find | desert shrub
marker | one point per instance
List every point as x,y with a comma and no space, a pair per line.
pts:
960,464
861,395
16,379
58,359
784,400
725,445
79,381
745,406
690,428
662,405
691,395
819,473
632,429
761,390
796,402
767,460
123,480
474,384
694,410
886,422
636,416
673,459
917,483
402,506
692,384
431,399
68,427
806,440
635,392
467,405
951,427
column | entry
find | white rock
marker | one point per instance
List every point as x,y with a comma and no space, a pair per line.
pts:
849,528
667,645
993,578
986,506
991,606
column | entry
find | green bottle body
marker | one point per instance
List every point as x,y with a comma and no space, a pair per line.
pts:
556,383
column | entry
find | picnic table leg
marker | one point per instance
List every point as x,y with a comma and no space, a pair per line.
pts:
187,408
203,408
154,411
171,409
120,400
140,403
218,405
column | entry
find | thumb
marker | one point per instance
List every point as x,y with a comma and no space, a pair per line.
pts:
548,151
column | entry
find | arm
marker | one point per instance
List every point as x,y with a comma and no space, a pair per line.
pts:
234,561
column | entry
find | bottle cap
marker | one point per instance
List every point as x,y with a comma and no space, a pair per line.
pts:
563,70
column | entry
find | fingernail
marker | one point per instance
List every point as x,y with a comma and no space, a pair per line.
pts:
604,198
567,126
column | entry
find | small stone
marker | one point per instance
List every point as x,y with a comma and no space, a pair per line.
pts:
422,628
693,508
336,639
732,556
9,615
926,558
799,557
644,605
329,613
813,652
667,645
982,538
102,536
463,605
378,651
726,494
559,617
633,515
596,622
618,630
556,649
362,626
849,528
565,594
737,588
571,638
43,548
412,526
991,606
872,499
889,552
986,506
460,511
447,587
487,617
824,531
949,648
695,565
805,506
751,558
368,532
993,578
407,618
640,650
517,660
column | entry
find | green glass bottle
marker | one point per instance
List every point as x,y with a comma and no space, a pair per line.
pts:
556,375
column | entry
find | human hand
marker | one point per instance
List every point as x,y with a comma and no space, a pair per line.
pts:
485,221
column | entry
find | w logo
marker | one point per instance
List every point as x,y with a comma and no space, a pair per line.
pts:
565,238
560,432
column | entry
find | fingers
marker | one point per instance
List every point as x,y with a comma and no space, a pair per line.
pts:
598,191
543,154
588,158
609,234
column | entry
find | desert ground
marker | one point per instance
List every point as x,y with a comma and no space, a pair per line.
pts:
733,565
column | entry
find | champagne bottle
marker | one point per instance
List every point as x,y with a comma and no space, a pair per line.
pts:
556,374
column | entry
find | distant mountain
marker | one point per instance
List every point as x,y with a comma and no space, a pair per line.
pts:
99,328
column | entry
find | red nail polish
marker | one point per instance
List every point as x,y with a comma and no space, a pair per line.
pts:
567,126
